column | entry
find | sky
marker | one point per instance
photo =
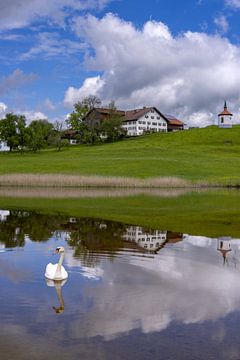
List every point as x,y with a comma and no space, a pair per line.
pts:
182,57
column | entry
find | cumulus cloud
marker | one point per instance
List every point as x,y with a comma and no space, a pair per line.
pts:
222,23
91,86
190,74
16,79
233,3
20,13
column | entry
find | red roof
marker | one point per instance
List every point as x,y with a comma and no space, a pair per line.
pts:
225,112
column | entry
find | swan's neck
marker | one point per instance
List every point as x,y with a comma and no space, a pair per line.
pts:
58,270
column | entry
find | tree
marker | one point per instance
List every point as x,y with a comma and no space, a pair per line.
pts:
39,132
87,134
55,138
13,131
111,128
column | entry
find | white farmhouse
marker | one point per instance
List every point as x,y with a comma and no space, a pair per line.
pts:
138,121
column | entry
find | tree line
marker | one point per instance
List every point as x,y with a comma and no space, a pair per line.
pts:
41,133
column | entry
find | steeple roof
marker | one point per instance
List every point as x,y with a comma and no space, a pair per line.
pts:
225,110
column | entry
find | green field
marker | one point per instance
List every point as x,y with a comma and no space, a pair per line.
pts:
209,154
212,213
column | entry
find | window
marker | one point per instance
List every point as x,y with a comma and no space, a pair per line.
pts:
154,123
222,120
158,117
146,116
152,111
152,117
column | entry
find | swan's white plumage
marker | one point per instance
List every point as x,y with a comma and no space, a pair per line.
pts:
56,271
50,272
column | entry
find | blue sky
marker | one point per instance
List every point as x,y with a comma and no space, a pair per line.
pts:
182,57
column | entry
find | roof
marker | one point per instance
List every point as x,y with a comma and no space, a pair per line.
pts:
106,111
225,112
135,114
174,121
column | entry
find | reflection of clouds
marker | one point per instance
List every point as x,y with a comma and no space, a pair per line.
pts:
93,273
14,273
185,283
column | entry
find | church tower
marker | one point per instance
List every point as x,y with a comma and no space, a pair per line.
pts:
225,118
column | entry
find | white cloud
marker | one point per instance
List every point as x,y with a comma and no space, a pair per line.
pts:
190,74
21,13
3,109
33,115
49,105
233,3
222,23
91,86
52,45
16,79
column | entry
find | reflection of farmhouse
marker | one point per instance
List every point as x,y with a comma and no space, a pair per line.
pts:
137,121
150,240
4,214
225,118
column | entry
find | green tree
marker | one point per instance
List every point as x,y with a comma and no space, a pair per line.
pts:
81,108
13,131
111,128
55,137
88,134
39,132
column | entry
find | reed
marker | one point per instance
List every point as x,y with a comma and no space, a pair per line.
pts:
62,180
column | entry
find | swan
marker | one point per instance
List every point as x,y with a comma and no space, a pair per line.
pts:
56,271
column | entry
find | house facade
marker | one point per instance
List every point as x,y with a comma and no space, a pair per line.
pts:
138,121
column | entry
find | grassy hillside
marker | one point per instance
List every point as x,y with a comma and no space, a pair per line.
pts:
208,154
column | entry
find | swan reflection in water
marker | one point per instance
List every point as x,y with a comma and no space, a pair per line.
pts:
56,276
58,284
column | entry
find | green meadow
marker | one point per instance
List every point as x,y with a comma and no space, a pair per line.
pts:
210,213
208,154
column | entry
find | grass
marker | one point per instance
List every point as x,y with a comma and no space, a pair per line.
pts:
208,155
210,213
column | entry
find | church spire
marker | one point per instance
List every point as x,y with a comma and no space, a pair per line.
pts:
225,105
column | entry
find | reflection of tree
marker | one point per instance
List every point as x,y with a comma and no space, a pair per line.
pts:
89,236
11,230
37,227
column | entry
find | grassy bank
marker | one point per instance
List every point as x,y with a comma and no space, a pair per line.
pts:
212,213
206,155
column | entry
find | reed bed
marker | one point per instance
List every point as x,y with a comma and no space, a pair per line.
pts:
62,193
60,180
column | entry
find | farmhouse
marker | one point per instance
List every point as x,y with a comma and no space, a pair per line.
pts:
137,121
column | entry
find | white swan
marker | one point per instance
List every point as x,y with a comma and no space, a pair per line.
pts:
56,271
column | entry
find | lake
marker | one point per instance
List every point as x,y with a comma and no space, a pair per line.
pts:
133,292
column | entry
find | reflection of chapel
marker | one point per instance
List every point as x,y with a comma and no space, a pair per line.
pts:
225,118
224,247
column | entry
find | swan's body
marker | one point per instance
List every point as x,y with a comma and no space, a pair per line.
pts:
56,271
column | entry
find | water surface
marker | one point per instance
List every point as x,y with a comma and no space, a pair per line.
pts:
132,292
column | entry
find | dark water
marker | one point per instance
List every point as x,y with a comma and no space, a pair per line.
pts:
132,292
